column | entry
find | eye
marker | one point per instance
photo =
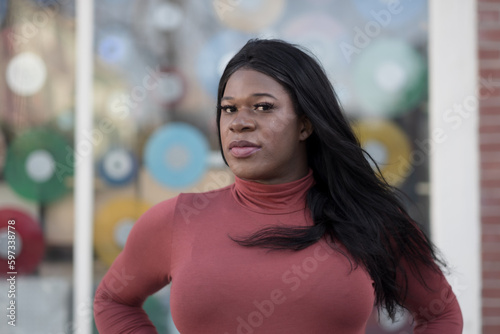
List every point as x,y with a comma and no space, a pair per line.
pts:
227,109
265,106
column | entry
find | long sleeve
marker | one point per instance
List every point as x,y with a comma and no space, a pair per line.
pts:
141,269
435,310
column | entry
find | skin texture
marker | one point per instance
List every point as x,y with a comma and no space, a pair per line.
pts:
258,109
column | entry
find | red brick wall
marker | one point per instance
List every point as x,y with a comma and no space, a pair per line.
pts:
489,138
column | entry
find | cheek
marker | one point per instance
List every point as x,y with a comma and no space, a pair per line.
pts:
275,128
279,138
223,130
285,129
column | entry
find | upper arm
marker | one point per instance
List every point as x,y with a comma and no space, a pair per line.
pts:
143,267
433,305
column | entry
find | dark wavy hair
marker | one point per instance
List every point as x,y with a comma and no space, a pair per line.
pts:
350,203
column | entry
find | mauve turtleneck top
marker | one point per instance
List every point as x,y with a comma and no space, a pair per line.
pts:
218,286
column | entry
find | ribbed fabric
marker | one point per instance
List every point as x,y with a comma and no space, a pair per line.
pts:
275,198
220,287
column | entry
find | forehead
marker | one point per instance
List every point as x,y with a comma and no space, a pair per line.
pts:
247,82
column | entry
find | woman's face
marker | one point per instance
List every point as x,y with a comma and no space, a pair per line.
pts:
262,138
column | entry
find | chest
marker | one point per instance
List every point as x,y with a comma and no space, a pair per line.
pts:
222,286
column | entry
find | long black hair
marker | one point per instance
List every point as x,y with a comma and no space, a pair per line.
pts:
350,203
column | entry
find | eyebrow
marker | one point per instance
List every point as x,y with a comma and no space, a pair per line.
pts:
253,95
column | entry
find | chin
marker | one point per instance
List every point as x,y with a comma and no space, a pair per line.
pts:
243,170
250,171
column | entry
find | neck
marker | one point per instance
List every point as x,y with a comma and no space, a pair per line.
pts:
284,179
273,198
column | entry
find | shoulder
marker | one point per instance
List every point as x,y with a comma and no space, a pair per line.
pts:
167,211
192,205
158,217
199,198
162,209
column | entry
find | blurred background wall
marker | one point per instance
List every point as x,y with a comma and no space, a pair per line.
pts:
398,67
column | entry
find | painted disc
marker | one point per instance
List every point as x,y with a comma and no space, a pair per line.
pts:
176,155
27,239
114,45
37,165
26,74
118,167
390,78
388,145
113,223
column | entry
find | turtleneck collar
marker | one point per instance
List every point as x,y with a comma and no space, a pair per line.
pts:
273,198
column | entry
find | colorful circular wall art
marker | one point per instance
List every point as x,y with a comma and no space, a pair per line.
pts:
118,167
388,145
38,164
26,74
18,226
113,223
176,155
114,44
390,78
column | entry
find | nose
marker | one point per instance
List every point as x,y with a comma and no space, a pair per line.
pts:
242,121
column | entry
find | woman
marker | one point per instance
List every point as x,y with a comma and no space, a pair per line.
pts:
340,240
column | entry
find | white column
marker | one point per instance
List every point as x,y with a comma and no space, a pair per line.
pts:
453,111
84,173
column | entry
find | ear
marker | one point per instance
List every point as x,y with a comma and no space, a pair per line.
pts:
306,128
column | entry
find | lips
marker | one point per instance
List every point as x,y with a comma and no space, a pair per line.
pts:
243,148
